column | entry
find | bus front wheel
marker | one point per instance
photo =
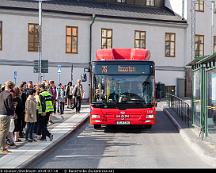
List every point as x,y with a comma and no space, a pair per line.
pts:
96,126
148,126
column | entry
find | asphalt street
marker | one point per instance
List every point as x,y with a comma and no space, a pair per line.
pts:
123,147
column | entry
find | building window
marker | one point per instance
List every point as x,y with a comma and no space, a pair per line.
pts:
150,2
140,39
199,5
106,38
0,35
199,45
170,41
33,37
214,44
71,39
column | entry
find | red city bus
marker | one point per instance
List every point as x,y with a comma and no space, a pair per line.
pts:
123,88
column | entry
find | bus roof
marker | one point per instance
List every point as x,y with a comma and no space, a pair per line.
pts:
123,54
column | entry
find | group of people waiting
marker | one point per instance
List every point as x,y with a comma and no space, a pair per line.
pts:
25,111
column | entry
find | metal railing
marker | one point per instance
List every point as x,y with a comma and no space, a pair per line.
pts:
182,109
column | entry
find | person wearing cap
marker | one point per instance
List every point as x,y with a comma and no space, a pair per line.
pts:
6,110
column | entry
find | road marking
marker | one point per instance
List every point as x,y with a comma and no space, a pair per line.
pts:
72,156
27,150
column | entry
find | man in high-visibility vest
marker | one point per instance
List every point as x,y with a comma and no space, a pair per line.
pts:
41,107
47,99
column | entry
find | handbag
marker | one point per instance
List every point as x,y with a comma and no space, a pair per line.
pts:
12,125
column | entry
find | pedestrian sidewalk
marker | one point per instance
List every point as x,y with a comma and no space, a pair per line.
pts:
26,152
204,147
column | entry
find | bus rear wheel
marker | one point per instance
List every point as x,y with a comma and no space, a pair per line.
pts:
97,126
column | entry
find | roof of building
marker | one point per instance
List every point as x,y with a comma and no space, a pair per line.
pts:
84,7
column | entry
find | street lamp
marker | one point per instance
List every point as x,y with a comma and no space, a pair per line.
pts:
40,37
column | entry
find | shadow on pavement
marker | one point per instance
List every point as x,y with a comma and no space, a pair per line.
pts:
163,125
83,149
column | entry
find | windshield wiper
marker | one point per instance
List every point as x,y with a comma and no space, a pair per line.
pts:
102,104
138,100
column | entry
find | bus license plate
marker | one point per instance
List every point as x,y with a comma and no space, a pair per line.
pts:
123,122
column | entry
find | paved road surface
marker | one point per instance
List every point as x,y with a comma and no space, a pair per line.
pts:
124,147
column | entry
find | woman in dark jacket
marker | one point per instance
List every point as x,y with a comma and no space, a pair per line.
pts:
19,111
23,94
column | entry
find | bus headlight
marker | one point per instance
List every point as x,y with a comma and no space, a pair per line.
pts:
95,116
150,116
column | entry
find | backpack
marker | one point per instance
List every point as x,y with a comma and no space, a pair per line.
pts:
67,90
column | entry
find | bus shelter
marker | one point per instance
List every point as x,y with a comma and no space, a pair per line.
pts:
204,94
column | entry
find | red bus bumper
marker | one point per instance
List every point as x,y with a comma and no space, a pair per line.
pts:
123,117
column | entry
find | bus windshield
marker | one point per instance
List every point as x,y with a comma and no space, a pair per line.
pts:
123,91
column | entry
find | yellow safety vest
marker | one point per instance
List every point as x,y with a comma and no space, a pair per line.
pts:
48,101
39,106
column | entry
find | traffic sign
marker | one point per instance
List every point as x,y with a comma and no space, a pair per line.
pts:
44,66
15,74
59,69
